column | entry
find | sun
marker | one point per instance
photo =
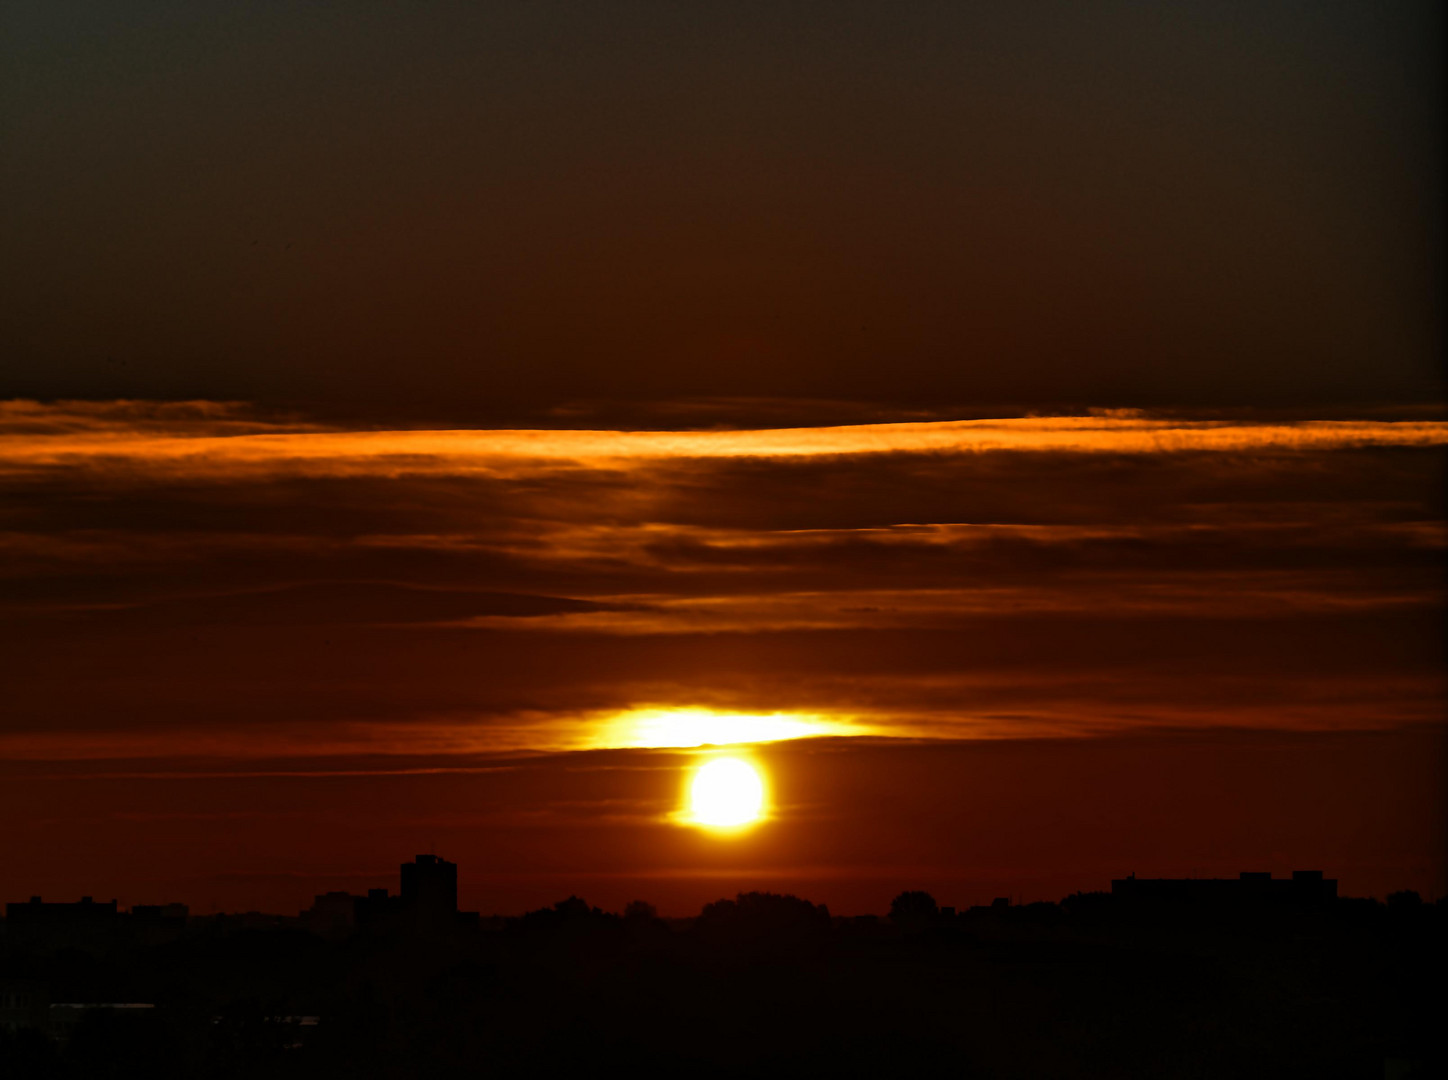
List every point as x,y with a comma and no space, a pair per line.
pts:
726,792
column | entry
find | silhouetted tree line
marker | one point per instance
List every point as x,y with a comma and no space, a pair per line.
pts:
760,984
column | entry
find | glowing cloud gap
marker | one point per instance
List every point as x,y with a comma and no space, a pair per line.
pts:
657,728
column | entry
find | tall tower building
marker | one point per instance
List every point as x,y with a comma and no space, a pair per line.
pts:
430,891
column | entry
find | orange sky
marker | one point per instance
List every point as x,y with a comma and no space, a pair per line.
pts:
855,822
1041,404
243,640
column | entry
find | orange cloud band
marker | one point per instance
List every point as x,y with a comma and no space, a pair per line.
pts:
201,449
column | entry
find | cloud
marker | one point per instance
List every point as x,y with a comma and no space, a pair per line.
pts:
202,419
194,444
173,577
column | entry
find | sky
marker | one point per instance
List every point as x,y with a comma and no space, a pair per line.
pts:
419,423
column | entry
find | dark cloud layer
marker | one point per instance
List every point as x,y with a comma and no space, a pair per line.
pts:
274,639
979,590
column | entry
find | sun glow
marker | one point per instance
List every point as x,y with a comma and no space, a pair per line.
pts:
726,793
705,727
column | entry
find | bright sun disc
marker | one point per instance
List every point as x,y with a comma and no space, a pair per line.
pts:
726,791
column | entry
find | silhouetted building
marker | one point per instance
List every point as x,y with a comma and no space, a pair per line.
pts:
83,924
377,909
156,923
167,914
37,912
1249,890
429,903
430,894
430,890
332,914
23,1004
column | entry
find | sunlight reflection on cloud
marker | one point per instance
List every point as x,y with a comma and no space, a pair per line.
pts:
640,728
35,436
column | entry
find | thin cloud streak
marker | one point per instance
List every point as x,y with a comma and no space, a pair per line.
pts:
940,608
392,453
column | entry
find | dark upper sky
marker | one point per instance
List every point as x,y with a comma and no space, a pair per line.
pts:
481,212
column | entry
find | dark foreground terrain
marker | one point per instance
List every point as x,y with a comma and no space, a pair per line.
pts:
761,985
